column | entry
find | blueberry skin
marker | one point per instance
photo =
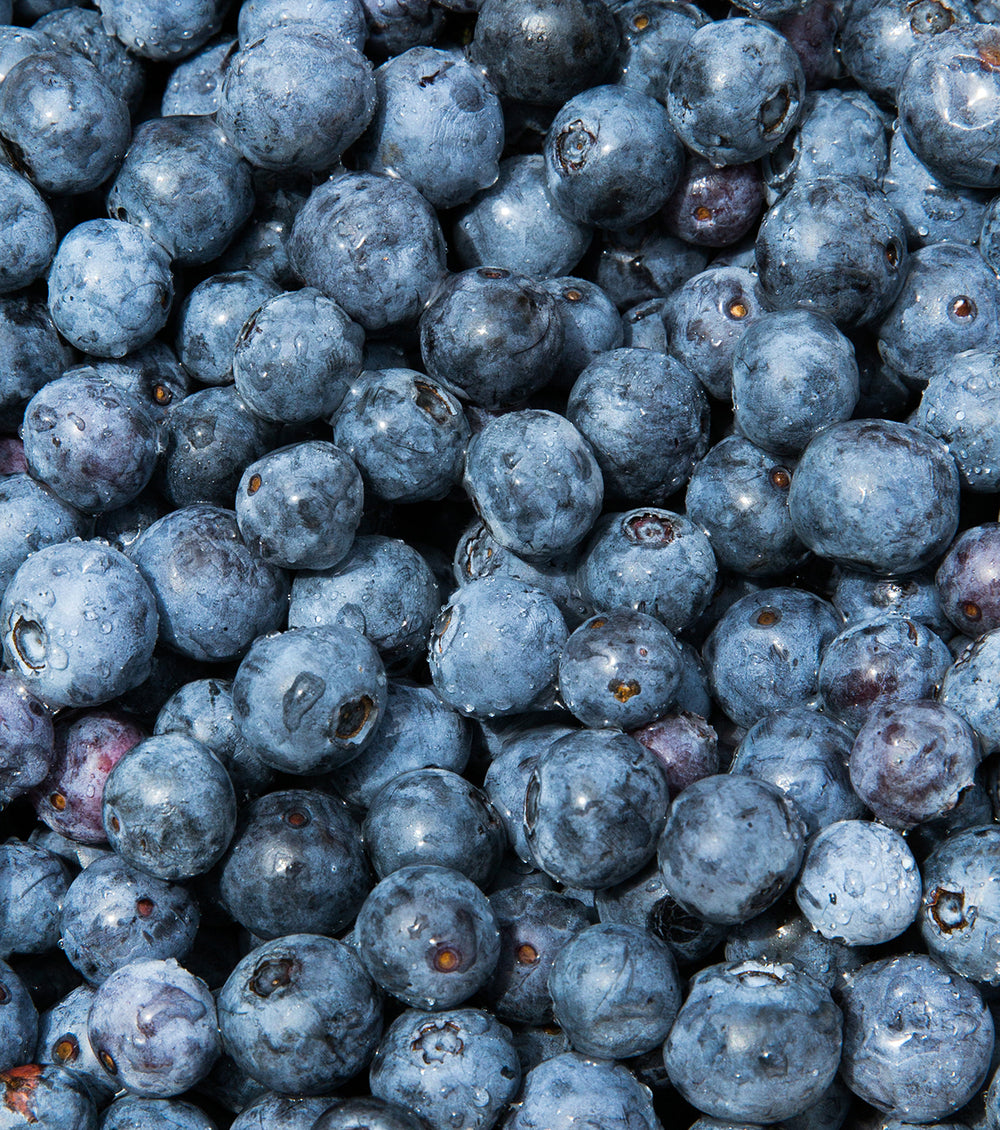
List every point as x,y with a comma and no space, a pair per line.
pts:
594,807
296,356
299,506
960,912
18,1020
967,580
859,883
151,372
735,91
535,924
344,19
406,432
203,710
155,817
875,495
29,232
82,30
62,1042
27,740
132,1113
685,745
193,86
765,652
970,687
31,353
451,951
437,124
66,128
615,990
545,52
91,443
880,37
158,29
917,1039
310,698
948,304
793,372
278,1112
754,1041
494,649
646,417
417,731
15,44
79,624
295,865
300,1015
955,134
911,761
619,669
373,245
183,184
627,175
730,847
859,596
834,245
514,224
296,98
110,288
492,337
958,406
368,1114
153,1027
805,754
434,816
738,494
114,915
651,36
885,659
383,589
454,1068
591,324
644,262
711,207
262,246
394,26
785,937
569,1090
45,1096
33,516
840,133
211,318
643,326
213,596
33,884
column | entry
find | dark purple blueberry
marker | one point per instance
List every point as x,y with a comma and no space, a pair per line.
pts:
968,580
686,747
714,207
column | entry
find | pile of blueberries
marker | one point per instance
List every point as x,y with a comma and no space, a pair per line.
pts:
499,579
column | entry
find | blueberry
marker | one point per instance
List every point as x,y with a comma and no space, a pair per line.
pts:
383,588
451,1068
646,417
875,495
308,699
110,287
652,33
115,914
644,262
62,125
27,752
63,1042
132,1113
193,85
45,1096
754,1041
437,124
805,754
368,1114
970,688
966,578
344,19
735,91
859,883
160,29
300,1015
299,506
79,624
32,354
18,1020
169,807
912,761
273,1111
716,861
295,865
29,232
153,1028
373,245
514,224
711,207
917,1039
296,356
594,808
214,597
428,936
33,884
406,432
859,596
